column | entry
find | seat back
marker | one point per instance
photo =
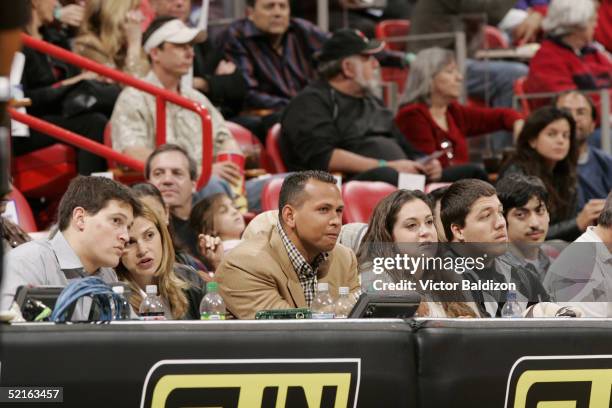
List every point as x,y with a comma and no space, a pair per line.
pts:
273,149
45,172
494,38
25,217
250,146
361,197
270,194
393,28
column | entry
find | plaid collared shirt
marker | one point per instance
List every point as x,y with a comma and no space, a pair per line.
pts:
307,273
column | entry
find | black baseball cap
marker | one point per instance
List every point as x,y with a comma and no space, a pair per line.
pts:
346,42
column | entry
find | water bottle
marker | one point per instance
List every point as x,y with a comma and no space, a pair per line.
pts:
151,307
122,303
212,306
344,304
323,305
511,309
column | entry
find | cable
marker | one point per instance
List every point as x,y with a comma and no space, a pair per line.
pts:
103,298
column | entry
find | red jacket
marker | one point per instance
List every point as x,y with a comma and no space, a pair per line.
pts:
603,33
556,67
418,126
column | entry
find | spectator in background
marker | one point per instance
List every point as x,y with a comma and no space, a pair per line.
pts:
431,115
527,219
219,227
403,223
603,32
172,170
47,82
111,35
280,269
594,165
581,273
524,28
94,216
547,148
274,53
213,75
148,259
347,129
168,42
567,59
491,81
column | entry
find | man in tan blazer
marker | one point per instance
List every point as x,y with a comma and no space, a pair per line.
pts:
279,268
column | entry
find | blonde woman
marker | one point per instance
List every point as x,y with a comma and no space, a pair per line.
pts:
111,35
148,259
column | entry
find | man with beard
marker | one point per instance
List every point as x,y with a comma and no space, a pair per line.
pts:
336,124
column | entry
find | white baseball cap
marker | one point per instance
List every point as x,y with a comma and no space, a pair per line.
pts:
175,32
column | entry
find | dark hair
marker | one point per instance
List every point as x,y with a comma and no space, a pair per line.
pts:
437,194
250,3
515,190
93,194
148,190
202,214
561,181
586,97
605,217
155,25
458,200
170,147
380,229
293,186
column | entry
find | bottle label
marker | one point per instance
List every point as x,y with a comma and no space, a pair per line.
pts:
321,316
212,316
152,316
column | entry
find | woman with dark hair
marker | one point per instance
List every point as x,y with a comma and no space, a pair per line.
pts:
403,223
149,260
547,148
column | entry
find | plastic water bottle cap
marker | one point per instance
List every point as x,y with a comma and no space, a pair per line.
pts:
343,290
322,286
212,286
120,289
151,289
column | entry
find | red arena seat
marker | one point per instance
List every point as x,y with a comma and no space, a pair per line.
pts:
25,217
45,172
270,194
274,150
361,197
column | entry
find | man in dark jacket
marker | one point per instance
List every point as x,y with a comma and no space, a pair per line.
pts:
337,125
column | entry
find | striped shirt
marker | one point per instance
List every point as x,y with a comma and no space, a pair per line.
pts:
273,78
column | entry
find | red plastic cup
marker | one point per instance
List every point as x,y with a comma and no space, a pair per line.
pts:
239,160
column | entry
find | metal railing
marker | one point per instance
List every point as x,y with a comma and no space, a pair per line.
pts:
162,97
